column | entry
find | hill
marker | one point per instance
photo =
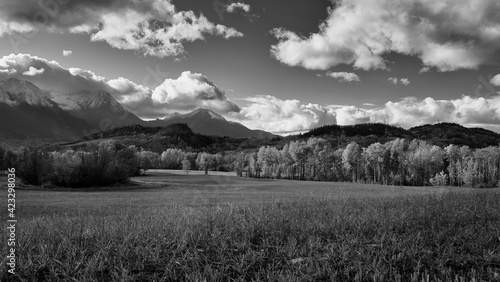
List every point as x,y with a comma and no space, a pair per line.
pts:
208,122
179,136
440,134
443,134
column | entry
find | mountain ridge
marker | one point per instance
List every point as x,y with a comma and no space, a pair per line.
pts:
207,122
28,112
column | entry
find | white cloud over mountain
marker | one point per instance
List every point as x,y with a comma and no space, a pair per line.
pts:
193,90
151,27
33,71
276,115
447,35
188,92
272,114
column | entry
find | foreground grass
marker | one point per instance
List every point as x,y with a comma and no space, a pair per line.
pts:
420,238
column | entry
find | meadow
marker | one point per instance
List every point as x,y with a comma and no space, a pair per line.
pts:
168,226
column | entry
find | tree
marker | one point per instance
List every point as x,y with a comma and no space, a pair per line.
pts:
375,155
351,159
240,163
34,166
148,160
204,161
186,165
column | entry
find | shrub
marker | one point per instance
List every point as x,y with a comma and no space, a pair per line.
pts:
97,165
440,179
34,166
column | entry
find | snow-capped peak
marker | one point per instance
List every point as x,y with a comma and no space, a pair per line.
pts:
87,99
16,91
205,112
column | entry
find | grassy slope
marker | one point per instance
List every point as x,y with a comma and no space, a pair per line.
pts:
333,233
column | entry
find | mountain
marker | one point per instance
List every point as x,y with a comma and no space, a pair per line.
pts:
27,113
174,136
15,92
208,122
98,108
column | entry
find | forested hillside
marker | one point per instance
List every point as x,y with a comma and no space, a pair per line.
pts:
440,134
114,155
175,136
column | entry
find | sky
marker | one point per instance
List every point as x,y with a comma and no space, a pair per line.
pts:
284,66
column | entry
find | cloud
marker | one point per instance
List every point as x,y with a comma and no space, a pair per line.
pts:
395,81
67,53
188,92
191,91
411,112
233,7
466,110
273,114
33,71
150,27
404,81
495,80
343,76
291,116
8,71
424,69
447,35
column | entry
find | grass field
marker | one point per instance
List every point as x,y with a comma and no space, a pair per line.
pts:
170,227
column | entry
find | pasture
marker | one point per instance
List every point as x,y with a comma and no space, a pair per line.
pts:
169,226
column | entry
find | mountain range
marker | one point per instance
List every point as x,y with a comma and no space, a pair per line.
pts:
30,115
208,122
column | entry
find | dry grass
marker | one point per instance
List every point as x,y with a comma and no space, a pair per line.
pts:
155,234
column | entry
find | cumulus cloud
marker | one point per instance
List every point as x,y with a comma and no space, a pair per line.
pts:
33,71
495,80
291,116
396,81
466,110
343,76
411,111
191,91
151,27
447,35
404,81
233,7
393,80
279,116
8,71
188,92
67,53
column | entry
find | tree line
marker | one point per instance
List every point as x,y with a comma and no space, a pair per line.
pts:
396,162
105,163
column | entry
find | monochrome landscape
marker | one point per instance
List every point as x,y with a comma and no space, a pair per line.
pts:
166,140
